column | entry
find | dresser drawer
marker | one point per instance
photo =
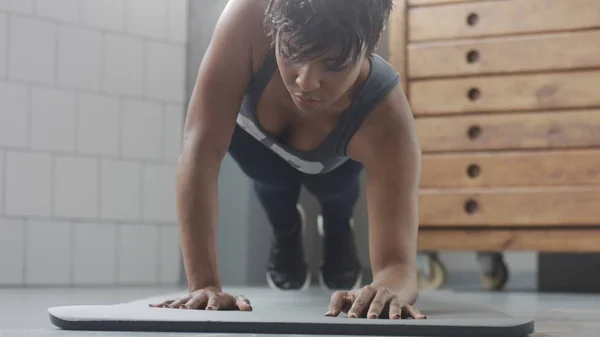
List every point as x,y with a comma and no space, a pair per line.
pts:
504,93
511,169
489,18
547,52
516,207
557,129
499,240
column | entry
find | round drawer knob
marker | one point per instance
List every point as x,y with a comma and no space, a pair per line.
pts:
472,19
471,206
473,171
472,56
473,94
474,132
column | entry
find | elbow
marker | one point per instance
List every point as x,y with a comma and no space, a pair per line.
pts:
198,147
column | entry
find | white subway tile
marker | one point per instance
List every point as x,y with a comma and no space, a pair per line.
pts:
174,119
52,119
120,190
141,129
94,254
3,45
14,112
62,10
48,253
98,124
79,57
105,14
32,48
146,18
159,193
76,187
17,6
170,255
123,65
138,254
178,21
12,251
28,184
165,82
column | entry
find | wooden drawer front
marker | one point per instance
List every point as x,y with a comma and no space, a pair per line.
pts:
499,240
558,129
519,169
563,51
518,207
504,93
490,18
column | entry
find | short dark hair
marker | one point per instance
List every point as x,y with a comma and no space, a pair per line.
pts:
319,24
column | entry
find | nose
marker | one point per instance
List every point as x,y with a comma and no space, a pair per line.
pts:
307,78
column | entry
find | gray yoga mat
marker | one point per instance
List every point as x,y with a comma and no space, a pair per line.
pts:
293,313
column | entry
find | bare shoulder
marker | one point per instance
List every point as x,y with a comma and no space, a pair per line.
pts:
388,134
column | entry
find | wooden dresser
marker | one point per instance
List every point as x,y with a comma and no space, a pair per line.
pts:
506,96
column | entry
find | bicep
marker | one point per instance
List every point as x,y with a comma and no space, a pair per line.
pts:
223,76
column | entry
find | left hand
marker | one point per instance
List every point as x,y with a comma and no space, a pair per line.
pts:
373,302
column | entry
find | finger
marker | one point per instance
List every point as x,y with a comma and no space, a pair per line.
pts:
161,305
197,302
395,311
360,305
179,302
336,304
381,298
242,303
413,312
214,302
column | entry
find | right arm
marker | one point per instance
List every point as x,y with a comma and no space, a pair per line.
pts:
223,76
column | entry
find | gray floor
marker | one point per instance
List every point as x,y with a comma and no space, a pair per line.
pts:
23,312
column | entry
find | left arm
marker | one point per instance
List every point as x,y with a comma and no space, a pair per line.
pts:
387,145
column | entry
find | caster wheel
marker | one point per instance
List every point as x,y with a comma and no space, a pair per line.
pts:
497,278
436,277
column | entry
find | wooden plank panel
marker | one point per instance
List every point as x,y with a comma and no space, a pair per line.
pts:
551,130
438,2
397,40
542,240
492,18
506,55
510,207
519,169
502,93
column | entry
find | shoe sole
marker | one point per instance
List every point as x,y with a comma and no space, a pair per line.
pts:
306,284
324,286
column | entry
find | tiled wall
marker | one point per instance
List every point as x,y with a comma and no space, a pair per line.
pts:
92,99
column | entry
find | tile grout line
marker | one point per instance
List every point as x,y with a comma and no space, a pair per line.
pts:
7,51
4,181
57,33
87,90
73,236
82,24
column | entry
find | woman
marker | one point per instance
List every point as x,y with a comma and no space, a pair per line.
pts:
293,91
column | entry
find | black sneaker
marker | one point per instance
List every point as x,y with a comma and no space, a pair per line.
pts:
287,268
341,268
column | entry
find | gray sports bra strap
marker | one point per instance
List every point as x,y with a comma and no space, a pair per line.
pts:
382,80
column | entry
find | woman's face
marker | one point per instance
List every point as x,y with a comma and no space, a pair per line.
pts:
313,84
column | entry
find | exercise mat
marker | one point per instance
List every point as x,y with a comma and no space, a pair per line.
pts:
297,313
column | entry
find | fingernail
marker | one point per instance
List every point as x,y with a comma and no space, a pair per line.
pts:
373,316
396,316
352,315
183,306
329,313
210,308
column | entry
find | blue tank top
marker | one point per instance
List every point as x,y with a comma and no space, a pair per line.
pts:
330,153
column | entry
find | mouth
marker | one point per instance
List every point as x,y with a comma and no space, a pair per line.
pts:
306,99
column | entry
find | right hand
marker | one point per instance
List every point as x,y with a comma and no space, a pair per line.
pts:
207,299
